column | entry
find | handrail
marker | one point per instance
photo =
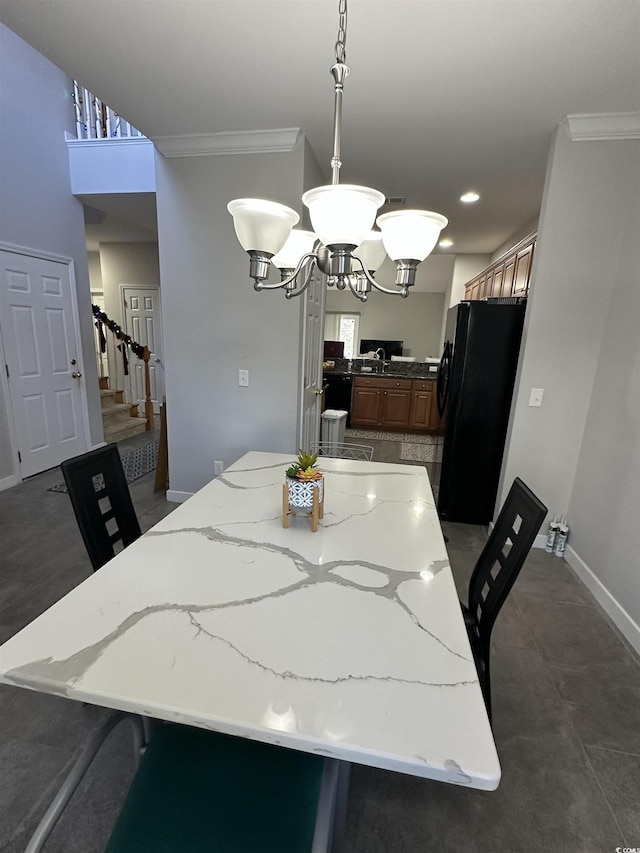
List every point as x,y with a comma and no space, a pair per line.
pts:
127,342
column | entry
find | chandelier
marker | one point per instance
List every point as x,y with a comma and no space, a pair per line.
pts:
342,245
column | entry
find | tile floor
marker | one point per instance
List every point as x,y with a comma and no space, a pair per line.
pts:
566,692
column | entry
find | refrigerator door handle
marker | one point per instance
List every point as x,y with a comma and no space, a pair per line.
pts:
442,384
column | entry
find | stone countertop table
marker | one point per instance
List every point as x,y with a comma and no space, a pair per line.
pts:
348,642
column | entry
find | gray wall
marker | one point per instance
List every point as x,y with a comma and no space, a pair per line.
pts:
585,269
415,320
214,322
37,209
522,232
604,507
126,263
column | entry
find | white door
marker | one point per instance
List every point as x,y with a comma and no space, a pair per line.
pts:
311,374
43,360
143,321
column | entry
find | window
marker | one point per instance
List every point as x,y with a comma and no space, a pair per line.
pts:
342,327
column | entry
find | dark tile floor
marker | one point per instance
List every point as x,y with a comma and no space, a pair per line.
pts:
566,693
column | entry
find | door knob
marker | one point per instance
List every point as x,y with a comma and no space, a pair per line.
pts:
157,360
76,374
318,391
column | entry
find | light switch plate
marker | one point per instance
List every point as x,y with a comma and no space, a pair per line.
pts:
243,378
535,398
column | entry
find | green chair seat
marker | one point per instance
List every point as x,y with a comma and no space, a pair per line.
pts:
198,791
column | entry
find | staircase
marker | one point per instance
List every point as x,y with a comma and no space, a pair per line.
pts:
117,422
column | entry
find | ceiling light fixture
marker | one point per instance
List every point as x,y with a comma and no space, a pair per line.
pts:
342,244
445,244
469,198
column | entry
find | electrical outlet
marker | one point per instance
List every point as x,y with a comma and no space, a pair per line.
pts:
218,467
243,378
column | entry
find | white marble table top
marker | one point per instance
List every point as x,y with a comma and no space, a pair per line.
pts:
348,642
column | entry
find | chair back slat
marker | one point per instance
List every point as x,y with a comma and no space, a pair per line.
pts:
92,478
517,524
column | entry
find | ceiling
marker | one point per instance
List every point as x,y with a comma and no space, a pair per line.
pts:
444,95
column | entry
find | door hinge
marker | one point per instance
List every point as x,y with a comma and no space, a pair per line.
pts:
19,457
6,367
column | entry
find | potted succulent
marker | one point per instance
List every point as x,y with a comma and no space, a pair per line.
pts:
303,489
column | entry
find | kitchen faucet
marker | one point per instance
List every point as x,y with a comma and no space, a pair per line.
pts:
382,357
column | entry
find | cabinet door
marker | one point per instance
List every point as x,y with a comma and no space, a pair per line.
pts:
507,278
485,283
396,404
475,289
522,271
422,402
496,282
365,406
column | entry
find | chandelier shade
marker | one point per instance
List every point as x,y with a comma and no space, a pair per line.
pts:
299,243
262,225
342,214
371,251
410,234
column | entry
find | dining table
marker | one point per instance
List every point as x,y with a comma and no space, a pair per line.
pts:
348,642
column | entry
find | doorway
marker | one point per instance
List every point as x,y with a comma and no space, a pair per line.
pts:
42,358
142,315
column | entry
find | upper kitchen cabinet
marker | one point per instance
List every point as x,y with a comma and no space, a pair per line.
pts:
508,276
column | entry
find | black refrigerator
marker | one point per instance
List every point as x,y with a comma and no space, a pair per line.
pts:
475,386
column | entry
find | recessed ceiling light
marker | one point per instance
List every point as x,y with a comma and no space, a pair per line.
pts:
445,244
469,197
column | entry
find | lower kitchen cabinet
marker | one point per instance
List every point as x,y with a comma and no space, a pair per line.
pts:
390,403
365,405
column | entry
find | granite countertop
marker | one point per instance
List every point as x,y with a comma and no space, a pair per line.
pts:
382,375
392,370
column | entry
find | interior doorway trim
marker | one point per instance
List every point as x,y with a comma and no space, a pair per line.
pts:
4,385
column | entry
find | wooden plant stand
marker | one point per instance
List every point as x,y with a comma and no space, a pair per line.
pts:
316,512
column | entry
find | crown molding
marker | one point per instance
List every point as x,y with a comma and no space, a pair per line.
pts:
242,142
603,126
110,141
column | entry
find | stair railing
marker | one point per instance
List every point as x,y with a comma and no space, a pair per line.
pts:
120,347
96,120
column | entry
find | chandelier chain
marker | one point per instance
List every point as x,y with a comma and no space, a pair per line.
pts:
341,43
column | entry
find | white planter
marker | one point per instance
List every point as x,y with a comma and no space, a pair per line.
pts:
300,493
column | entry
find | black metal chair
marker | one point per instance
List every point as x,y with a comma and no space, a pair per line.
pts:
101,501
343,450
496,570
200,791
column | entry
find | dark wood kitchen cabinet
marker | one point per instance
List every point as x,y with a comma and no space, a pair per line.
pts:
365,404
422,402
380,401
424,407
394,403
508,276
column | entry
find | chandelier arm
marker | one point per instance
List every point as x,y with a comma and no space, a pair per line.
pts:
289,294
403,292
260,286
361,296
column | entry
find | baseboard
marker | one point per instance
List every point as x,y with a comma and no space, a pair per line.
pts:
540,541
178,497
613,608
8,482
99,444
